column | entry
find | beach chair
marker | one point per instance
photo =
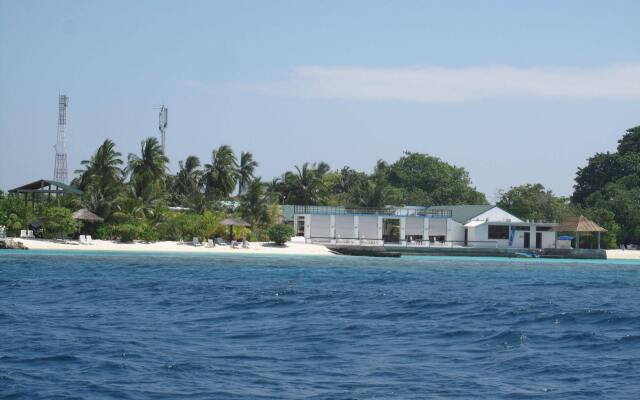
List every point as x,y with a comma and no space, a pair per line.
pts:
23,234
88,239
30,235
220,242
196,242
245,244
82,239
234,244
210,243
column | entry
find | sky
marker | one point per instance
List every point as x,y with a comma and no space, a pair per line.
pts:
516,92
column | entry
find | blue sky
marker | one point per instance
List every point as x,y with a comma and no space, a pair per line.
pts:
514,91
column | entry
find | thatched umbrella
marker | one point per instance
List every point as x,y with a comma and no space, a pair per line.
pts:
579,224
87,216
231,222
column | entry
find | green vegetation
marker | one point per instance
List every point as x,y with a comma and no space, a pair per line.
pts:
141,200
280,234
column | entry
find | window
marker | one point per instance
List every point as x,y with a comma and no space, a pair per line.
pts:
543,228
522,228
498,232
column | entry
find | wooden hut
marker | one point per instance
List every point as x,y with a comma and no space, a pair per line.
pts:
579,224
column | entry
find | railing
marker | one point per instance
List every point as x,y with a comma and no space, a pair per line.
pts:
400,212
363,241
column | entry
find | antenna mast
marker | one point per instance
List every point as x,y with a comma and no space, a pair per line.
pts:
162,125
60,173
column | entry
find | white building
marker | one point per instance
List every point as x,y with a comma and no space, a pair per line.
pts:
468,226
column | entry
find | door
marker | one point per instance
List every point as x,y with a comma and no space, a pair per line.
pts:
527,240
538,240
466,236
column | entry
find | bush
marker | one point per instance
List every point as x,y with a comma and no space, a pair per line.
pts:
150,234
128,232
59,222
104,232
280,234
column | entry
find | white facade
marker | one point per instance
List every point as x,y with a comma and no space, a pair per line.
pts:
493,228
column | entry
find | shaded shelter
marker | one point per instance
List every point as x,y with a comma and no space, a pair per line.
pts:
85,215
231,222
580,224
44,187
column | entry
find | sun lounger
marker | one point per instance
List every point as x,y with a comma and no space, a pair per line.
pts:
196,242
30,235
23,234
210,243
245,244
220,242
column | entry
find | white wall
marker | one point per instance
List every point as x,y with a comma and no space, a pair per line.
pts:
497,214
455,232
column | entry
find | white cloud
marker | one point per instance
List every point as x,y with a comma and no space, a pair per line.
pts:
442,84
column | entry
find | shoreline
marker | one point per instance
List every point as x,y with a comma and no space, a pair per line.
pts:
298,249
292,248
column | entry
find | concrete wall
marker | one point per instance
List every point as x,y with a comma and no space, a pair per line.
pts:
438,226
497,214
344,225
455,232
368,227
320,226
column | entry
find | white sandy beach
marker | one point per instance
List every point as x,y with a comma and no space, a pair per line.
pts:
623,254
174,247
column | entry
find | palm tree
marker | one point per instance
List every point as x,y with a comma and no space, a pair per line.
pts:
304,187
245,170
149,170
189,177
102,178
255,203
221,176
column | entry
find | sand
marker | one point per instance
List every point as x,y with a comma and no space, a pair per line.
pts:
623,254
174,247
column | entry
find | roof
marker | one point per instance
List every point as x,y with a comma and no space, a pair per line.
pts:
85,215
578,224
234,221
463,213
40,185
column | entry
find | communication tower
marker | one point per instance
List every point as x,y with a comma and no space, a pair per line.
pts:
60,172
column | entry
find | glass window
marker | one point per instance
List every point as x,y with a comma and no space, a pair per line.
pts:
498,232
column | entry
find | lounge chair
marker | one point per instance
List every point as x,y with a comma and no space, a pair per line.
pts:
30,235
220,242
245,244
234,244
210,243
23,234
196,242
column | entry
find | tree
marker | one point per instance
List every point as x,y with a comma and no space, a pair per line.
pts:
630,141
101,179
602,169
427,180
148,171
534,202
245,170
58,221
221,175
255,204
305,186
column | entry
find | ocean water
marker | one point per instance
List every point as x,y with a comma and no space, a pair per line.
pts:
90,326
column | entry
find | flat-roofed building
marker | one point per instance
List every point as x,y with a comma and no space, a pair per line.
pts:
457,225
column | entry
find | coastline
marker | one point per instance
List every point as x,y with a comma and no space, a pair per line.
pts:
175,247
292,248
